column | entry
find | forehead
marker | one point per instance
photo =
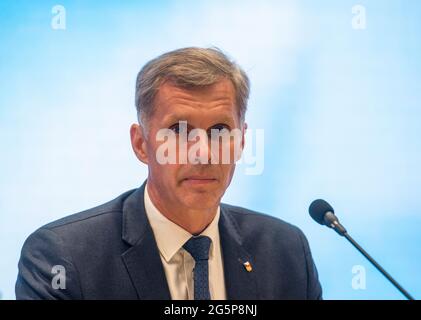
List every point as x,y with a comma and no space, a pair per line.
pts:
218,97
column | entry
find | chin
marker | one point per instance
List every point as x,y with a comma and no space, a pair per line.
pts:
201,201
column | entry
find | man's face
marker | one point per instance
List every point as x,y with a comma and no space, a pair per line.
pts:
195,186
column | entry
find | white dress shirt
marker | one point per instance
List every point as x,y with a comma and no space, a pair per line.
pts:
177,262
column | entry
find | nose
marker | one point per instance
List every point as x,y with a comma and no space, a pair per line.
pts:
199,150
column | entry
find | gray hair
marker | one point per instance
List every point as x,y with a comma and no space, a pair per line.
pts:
188,68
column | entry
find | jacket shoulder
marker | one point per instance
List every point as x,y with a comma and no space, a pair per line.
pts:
92,215
254,220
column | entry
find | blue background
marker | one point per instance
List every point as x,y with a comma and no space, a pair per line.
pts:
340,109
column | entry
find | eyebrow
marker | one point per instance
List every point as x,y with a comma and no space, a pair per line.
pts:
173,118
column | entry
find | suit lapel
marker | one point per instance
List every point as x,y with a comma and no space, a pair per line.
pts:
239,283
142,260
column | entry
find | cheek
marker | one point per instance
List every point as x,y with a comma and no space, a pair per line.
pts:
227,171
226,152
168,173
158,170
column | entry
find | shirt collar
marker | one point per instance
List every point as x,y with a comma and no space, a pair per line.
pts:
163,227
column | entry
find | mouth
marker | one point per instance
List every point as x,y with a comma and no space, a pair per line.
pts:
199,180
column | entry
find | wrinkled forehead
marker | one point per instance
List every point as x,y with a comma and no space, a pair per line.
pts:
209,101
221,90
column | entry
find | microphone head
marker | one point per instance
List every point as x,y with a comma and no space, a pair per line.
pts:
318,209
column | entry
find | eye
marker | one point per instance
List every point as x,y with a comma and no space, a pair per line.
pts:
218,131
220,127
178,127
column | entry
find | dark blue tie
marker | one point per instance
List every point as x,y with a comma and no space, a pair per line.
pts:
198,247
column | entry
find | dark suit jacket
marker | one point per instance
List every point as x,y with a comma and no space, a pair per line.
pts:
109,252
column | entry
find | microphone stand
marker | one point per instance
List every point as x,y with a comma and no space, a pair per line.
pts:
378,267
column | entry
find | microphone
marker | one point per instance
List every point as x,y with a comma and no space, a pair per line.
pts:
323,213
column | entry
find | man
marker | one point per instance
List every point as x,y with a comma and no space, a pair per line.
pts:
172,238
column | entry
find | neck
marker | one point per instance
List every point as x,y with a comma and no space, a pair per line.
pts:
194,221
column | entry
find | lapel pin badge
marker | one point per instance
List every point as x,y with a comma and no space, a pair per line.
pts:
248,266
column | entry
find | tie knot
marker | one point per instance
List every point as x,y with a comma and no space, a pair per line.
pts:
198,247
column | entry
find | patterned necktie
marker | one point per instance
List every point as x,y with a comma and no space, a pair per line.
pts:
198,247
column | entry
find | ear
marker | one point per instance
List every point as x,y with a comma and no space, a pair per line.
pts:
243,141
138,140
239,153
